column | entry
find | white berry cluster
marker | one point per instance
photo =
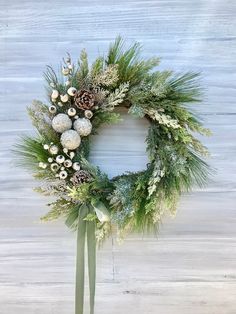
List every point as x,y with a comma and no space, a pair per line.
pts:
67,72
70,126
60,164
66,121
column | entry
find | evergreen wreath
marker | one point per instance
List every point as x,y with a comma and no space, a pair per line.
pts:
82,99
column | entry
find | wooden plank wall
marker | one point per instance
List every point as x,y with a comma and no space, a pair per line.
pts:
190,268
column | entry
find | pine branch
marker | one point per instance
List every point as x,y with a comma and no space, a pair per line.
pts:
30,151
83,66
115,98
131,69
41,120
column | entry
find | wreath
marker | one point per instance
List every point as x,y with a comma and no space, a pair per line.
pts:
82,99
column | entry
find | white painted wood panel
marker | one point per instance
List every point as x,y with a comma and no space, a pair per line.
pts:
190,268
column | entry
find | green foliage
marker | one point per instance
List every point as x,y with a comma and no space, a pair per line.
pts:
184,88
107,78
131,69
59,208
83,150
54,81
97,67
135,201
41,120
105,117
81,193
50,76
116,98
83,70
30,151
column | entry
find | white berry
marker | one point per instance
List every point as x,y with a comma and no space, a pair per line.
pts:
60,159
63,174
52,109
76,166
72,91
53,149
71,112
54,94
67,163
64,98
65,71
42,165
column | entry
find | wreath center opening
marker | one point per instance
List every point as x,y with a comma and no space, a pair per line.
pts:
121,147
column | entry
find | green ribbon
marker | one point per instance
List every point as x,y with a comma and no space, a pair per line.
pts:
91,245
101,211
85,229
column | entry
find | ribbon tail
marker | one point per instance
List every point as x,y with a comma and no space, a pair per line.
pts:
80,267
91,245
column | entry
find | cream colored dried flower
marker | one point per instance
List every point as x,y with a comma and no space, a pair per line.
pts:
109,77
163,119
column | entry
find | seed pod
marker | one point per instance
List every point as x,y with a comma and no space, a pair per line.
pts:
52,109
71,112
54,94
63,174
60,159
72,91
64,98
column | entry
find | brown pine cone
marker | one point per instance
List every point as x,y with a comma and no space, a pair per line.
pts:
84,100
81,176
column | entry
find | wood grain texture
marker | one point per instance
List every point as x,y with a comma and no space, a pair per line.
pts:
190,268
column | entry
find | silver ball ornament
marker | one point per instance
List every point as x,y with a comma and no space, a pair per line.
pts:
70,139
83,126
61,123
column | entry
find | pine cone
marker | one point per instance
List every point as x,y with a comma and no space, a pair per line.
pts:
84,100
81,176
